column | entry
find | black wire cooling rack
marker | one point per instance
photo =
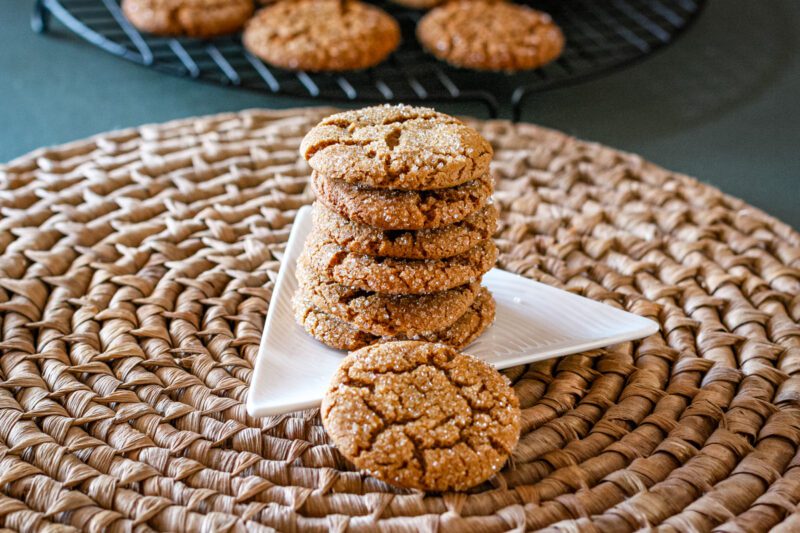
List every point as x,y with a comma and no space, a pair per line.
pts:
602,35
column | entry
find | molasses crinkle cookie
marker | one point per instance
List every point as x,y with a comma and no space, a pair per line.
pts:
386,314
341,335
393,275
421,415
437,243
488,35
322,35
393,209
193,18
397,147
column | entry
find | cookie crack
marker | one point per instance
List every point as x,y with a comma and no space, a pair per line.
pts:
430,117
491,411
321,144
392,139
405,423
348,379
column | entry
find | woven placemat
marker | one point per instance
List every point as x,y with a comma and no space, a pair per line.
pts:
137,267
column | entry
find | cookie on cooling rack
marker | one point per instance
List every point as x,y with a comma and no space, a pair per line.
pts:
322,35
421,415
192,18
489,35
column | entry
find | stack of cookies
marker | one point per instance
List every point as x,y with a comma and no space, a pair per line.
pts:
402,229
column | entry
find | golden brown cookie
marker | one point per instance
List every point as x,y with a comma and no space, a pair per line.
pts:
397,147
340,335
397,276
195,18
403,210
486,35
438,243
386,314
322,35
422,416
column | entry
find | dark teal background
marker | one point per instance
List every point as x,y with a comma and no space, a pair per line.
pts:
722,104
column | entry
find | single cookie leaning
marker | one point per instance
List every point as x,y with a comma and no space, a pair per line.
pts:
396,276
322,35
437,243
195,18
403,210
397,147
340,335
386,314
421,416
487,35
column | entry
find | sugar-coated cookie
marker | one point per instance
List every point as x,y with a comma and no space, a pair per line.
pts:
322,35
397,276
489,35
421,415
437,243
397,147
392,209
340,335
193,18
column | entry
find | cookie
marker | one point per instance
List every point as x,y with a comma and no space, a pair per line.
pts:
322,35
340,335
397,276
486,35
194,18
437,243
397,147
403,210
386,314
421,416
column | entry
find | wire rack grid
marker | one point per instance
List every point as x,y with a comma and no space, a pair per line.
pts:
601,37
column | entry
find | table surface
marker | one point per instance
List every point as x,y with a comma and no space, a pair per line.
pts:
132,319
720,104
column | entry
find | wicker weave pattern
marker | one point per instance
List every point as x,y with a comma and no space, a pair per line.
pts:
135,274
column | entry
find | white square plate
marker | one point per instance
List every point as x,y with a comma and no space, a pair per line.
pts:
534,321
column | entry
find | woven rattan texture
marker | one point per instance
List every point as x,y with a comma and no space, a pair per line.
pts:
137,268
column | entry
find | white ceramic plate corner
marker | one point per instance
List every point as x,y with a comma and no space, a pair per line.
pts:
534,321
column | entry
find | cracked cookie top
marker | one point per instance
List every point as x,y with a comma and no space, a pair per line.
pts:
322,35
397,147
490,35
421,415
